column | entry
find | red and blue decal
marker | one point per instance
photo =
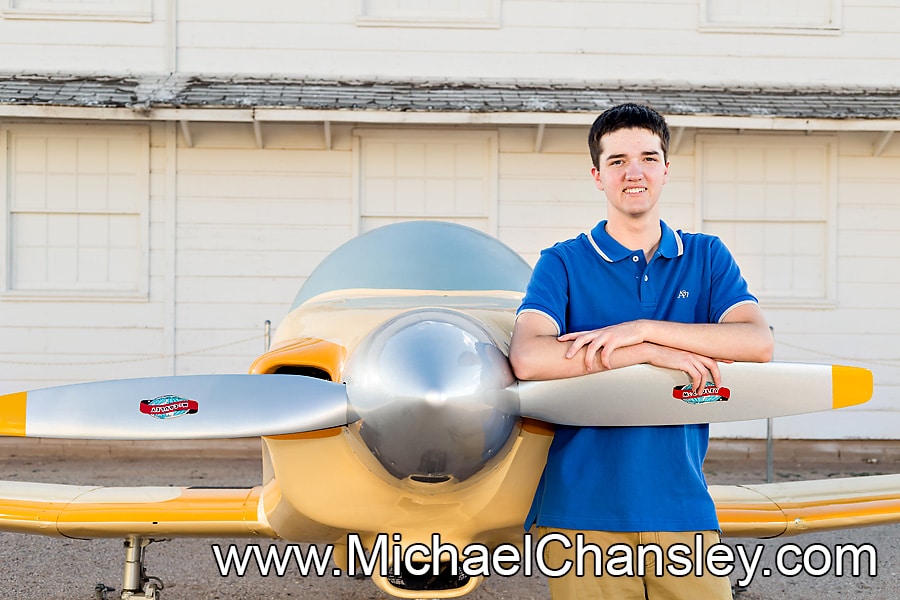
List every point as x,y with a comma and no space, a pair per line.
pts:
709,393
169,407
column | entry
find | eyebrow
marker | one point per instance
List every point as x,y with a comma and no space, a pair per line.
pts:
623,155
644,153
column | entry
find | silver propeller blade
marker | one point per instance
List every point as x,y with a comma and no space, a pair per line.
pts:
647,395
177,407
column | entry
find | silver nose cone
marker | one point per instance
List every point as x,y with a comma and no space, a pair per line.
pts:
430,388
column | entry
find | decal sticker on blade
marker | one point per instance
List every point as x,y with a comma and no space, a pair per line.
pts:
169,407
709,393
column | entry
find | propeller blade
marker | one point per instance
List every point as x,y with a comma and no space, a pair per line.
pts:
177,407
647,395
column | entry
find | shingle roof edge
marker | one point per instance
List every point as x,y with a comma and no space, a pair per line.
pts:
671,98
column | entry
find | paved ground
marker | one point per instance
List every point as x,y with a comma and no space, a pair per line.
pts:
37,567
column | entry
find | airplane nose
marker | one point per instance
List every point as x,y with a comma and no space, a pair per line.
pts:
431,389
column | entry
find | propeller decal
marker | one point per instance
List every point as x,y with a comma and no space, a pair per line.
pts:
169,407
709,393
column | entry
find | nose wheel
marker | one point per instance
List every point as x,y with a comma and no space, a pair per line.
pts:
136,584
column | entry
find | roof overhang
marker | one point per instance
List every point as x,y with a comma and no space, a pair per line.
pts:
388,117
187,99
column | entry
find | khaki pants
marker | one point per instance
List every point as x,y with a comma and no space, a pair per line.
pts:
612,585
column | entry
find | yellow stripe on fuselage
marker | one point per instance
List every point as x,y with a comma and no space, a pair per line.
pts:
12,414
850,386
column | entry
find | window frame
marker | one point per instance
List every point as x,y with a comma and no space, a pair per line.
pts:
707,142
488,136
140,291
706,24
490,20
138,11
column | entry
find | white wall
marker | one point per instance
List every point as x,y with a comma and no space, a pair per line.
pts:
528,39
72,41
251,224
558,40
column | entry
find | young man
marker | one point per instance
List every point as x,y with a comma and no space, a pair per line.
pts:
632,291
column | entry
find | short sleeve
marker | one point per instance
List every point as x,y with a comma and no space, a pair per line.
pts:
728,287
548,289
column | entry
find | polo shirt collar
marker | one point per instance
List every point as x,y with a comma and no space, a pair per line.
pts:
670,243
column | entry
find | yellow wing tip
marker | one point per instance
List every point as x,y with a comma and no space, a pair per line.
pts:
12,414
850,386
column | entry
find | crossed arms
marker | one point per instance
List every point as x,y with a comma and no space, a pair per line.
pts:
743,335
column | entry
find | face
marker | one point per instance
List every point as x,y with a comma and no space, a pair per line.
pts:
632,172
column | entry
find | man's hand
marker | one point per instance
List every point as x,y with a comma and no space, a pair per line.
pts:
604,341
742,334
701,369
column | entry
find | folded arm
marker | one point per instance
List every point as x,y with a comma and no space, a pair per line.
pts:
537,353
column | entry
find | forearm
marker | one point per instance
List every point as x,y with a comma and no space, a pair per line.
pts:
544,357
737,341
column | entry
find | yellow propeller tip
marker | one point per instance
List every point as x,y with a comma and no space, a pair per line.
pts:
12,414
850,386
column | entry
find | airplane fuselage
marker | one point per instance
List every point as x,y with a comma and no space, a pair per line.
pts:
436,448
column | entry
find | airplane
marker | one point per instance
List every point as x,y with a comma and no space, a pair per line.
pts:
388,415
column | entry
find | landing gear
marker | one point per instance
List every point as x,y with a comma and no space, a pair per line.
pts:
136,584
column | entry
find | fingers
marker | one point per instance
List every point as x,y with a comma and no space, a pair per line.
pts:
703,370
592,342
590,355
580,339
599,345
605,355
699,369
715,373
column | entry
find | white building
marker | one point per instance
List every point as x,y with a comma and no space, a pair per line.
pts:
170,172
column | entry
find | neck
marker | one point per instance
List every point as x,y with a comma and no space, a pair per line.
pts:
636,235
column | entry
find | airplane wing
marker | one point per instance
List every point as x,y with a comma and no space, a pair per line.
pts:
87,512
758,511
784,509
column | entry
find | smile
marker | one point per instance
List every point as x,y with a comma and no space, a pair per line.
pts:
635,190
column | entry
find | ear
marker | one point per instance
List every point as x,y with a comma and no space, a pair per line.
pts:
595,173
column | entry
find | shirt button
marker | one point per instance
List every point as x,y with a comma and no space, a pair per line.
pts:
646,278
635,258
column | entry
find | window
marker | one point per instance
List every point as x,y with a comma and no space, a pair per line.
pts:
448,176
430,13
785,16
75,213
772,200
99,10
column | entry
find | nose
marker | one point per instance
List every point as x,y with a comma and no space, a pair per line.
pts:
633,171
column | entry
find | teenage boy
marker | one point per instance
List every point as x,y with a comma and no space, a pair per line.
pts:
633,291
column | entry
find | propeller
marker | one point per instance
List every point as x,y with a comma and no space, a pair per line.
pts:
648,395
228,406
177,407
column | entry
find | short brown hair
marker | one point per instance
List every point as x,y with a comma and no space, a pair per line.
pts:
627,116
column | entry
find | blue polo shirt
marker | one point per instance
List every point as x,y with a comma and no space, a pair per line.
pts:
630,478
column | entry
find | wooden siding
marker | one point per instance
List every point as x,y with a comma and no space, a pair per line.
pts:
570,39
535,39
60,43
252,223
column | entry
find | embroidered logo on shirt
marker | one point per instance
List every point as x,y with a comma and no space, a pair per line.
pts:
683,294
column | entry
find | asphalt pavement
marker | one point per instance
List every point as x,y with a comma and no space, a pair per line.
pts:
36,567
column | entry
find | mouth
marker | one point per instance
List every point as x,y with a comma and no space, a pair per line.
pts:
635,190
